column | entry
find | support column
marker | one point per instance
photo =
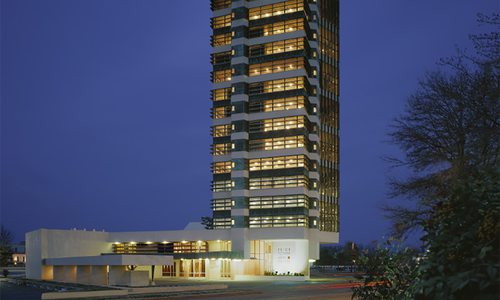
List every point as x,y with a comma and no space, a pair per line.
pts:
99,275
58,272
83,274
118,275
70,274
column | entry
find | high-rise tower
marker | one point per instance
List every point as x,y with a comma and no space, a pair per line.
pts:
275,114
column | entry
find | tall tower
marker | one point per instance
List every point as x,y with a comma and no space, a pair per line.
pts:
275,114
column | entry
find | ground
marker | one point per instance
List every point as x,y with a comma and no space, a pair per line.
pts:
321,286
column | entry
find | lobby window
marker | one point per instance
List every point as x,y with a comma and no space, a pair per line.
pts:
221,204
278,143
221,75
276,28
276,47
278,182
277,66
286,123
221,112
221,22
221,167
221,149
221,94
168,271
276,9
278,221
278,202
221,130
279,85
222,186
287,103
221,39
279,162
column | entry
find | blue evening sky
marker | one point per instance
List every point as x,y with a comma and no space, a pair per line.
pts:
105,107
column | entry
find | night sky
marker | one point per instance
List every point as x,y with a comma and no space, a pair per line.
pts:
105,107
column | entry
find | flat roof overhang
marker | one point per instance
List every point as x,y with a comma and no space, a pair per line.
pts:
112,260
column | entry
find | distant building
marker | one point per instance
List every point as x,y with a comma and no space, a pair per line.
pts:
275,130
19,254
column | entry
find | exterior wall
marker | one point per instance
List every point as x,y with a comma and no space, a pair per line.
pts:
43,243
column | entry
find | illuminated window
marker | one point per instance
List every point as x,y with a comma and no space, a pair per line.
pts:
219,4
286,123
279,162
278,201
278,221
279,85
276,9
277,47
221,22
222,223
221,112
221,58
276,28
221,94
288,142
221,167
221,130
221,149
190,247
221,204
278,182
221,39
277,66
221,75
287,103
222,186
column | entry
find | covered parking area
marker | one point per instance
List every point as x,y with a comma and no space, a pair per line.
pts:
107,269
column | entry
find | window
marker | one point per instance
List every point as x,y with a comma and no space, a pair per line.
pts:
276,9
190,247
221,94
221,112
277,104
219,4
277,47
279,85
222,186
222,223
278,202
221,149
221,58
221,39
279,162
277,124
288,142
168,270
221,130
221,204
221,167
221,22
278,221
278,182
221,75
276,28
277,66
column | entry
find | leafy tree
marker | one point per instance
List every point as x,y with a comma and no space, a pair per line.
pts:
450,137
5,246
390,271
207,222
